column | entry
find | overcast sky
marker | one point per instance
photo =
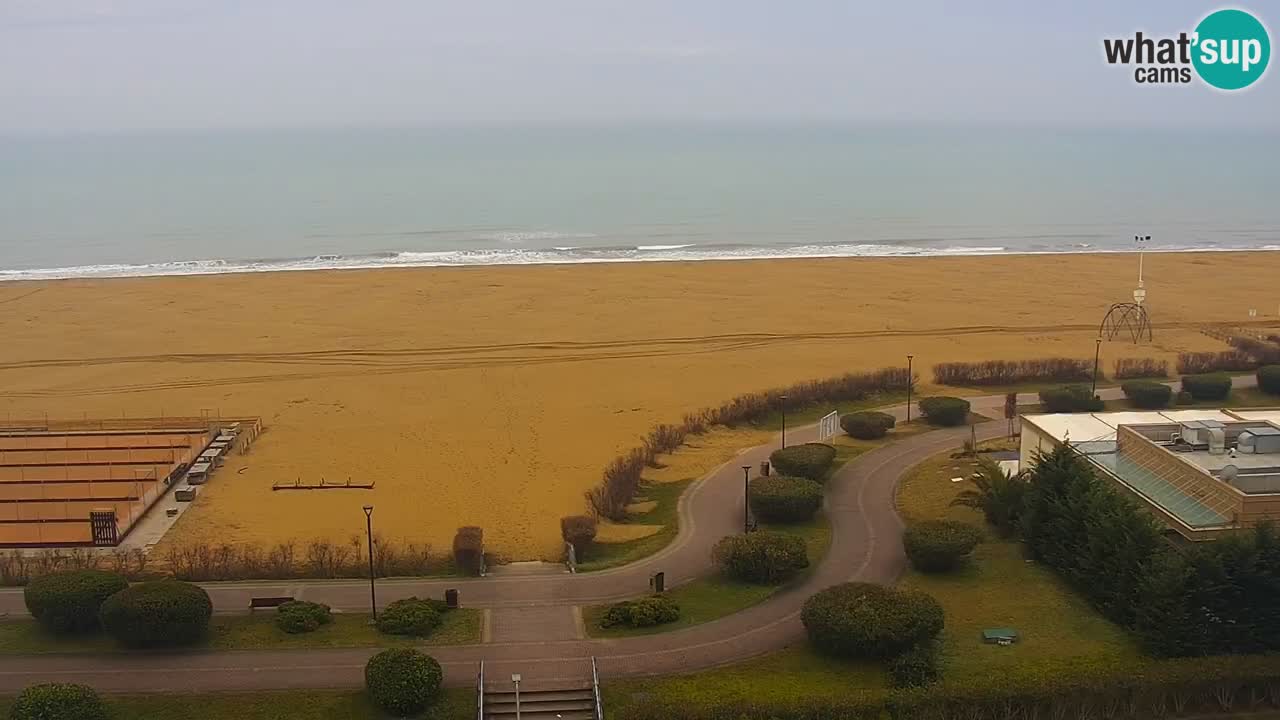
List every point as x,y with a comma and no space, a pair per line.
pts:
109,65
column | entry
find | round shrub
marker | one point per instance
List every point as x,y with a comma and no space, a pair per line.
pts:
864,620
939,545
410,616
58,701
157,614
868,425
916,667
763,557
300,616
645,612
1269,379
68,602
944,411
402,681
1147,394
783,499
809,460
1184,398
1070,398
1212,386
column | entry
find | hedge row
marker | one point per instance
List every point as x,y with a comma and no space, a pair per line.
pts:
1214,386
1199,363
1069,399
1170,688
621,479
1130,368
1147,394
1009,372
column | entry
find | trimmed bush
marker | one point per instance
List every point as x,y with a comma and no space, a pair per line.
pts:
809,460
1184,398
468,549
944,410
869,425
1209,362
410,616
645,612
1008,372
939,545
159,613
1147,394
579,531
402,681
916,667
68,602
763,557
300,616
58,701
783,499
1213,386
864,620
1269,379
1070,398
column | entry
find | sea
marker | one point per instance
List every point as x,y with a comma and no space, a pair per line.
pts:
203,202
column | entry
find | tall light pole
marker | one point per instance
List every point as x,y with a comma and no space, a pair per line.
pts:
746,499
784,420
368,523
515,680
1097,350
1140,294
909,358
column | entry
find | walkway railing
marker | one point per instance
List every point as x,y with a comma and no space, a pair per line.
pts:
595,688
480,693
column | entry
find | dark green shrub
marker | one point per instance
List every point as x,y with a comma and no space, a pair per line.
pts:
645,612
763,557
58,701
68,602
1184,398
468,549
1269,379
809,460
402,681
916,667
864,620
1214,386
1070,398
157,614
300,616
868,425
410,616
579,531
1147,394
783,499
939,545
944,411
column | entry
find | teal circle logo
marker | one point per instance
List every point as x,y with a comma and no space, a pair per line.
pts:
1231,49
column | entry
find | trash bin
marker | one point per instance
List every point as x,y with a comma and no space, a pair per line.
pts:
451,598
764,468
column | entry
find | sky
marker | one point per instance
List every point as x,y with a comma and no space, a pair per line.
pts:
127,65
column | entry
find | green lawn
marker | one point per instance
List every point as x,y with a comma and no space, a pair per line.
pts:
813,413
455,704
1001,588
254,632
664,513
711,598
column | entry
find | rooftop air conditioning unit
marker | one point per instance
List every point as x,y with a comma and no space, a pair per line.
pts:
1217,441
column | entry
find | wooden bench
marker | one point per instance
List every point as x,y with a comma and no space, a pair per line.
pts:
269,602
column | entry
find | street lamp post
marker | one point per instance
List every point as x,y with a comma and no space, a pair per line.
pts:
784,421
746,499
1097,351
909,358
515,680
373,598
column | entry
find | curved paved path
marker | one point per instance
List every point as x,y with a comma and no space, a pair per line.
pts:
532,628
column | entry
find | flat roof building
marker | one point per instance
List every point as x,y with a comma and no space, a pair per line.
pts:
1203,472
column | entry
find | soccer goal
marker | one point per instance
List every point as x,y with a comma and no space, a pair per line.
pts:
828,426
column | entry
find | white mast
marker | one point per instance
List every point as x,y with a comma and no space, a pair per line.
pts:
1140,294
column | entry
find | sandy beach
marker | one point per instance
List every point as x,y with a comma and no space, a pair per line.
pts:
494,396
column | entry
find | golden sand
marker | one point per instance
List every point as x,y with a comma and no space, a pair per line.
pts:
494,396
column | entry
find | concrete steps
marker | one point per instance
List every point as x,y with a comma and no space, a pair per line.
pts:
540,703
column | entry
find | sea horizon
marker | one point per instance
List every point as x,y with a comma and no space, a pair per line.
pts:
209,202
